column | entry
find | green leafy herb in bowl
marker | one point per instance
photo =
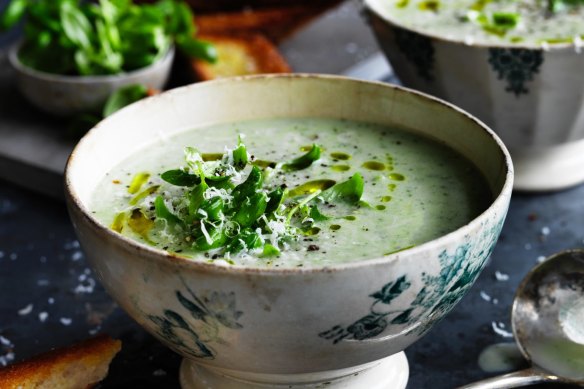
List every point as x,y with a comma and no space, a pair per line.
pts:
76,53
72,37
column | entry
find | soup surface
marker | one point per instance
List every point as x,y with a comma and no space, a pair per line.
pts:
531,22
331,191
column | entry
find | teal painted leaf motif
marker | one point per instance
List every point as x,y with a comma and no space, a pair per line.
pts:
392,290
418,50
224,310
403,318
376,321
196,311
516,67
368,326
440,293
207,316
176,319
166,330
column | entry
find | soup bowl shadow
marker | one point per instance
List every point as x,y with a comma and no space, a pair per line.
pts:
531,96
344,325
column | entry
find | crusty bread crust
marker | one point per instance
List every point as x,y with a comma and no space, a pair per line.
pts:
240,55
78,366
215,6
276,23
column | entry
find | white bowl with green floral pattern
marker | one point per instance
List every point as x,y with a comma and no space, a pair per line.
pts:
531,95
345,325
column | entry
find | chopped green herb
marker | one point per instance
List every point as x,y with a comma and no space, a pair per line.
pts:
179,177
315,214
240,157
270,251
220,211
349,191
498,23
163,212
304,161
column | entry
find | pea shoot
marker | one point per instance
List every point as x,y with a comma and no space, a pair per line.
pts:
228,206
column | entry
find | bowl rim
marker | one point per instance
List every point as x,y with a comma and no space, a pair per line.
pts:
162,60
375,7
74,202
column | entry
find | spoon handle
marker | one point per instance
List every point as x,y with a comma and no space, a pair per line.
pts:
512,380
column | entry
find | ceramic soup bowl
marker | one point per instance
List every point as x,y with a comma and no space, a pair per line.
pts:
241,327
67,95
532,97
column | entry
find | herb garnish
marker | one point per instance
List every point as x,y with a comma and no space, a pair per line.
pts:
76,37
223,211
555,6
497,23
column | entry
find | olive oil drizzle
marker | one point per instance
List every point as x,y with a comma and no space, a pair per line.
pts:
374,165
311,187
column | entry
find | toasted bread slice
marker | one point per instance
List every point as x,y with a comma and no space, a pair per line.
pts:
240,55
239,5
275,23
78,366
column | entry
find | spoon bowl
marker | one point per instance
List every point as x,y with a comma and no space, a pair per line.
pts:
548,324
548,315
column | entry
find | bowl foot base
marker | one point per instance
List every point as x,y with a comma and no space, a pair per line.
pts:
388,373
549,168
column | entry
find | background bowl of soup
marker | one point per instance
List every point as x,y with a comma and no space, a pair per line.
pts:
522,80
341,317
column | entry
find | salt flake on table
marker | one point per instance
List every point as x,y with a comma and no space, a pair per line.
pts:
545,231
76,256
159,373
26,310
66,321
71,245
6,358
499,329
51,300
88,285
43,316
540,259
5,342
485,296
501,276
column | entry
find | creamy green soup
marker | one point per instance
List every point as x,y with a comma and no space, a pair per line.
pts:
331,192
532,22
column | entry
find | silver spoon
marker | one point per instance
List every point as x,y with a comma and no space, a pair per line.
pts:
548,323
